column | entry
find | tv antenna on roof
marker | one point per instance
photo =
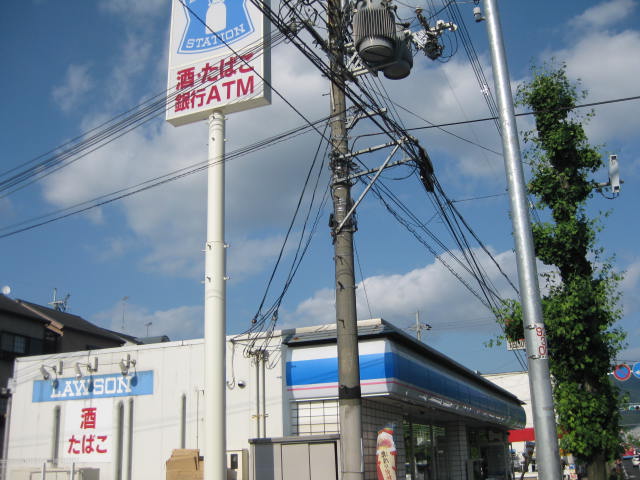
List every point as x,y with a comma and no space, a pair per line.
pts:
59,305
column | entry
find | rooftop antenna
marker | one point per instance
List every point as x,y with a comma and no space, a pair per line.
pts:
124,306
59,305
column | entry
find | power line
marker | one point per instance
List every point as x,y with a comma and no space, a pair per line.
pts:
148,184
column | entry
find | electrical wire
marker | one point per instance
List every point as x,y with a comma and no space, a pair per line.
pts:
259,330
101,200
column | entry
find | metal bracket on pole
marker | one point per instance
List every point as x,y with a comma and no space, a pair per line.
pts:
374,170
373,180
351,121
395,143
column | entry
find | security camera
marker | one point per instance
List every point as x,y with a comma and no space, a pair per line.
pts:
242,383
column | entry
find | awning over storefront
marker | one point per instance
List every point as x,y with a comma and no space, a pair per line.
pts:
388,368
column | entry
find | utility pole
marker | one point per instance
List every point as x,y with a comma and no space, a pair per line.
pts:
349,396
535,337
419,327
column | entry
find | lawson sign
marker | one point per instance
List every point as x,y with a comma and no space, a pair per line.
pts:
95,386
219,59
213,24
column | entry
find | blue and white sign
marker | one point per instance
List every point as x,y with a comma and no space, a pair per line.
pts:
214,24
219,59
94,386
636,370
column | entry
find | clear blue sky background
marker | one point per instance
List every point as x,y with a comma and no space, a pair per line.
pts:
68,66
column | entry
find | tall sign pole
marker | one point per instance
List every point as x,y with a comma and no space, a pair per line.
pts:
537,356
215,294
219,63
349,396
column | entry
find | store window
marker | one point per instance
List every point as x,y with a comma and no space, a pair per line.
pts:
317,417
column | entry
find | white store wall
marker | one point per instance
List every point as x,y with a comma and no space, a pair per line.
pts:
155,418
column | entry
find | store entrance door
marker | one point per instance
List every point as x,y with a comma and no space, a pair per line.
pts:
425,461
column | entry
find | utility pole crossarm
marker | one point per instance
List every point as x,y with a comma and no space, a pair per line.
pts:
366,190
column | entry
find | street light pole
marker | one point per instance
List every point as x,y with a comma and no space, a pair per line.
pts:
535,337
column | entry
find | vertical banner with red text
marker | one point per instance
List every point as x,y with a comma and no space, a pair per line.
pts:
386,455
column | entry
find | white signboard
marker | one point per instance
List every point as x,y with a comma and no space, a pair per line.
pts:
218,59
88,430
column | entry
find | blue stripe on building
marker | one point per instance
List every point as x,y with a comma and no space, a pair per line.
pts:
94,386
391,365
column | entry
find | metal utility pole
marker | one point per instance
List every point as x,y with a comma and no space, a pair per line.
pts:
349,397
215,294
534,331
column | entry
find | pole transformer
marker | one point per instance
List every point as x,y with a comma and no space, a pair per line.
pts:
535,336
349,397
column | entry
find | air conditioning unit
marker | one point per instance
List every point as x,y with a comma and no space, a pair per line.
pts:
237,465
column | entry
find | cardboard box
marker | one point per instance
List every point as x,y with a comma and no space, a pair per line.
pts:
185,464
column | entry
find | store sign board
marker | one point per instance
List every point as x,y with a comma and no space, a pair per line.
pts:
88,430
218,59
93,386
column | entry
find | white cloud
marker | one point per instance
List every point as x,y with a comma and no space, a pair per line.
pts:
604,15
76,84
611,76
179,323
261,189
431,289
114,247
630,287
133,57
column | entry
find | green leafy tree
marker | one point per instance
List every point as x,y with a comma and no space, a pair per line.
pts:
580,305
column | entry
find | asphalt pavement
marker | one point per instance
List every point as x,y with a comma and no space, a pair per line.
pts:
630,472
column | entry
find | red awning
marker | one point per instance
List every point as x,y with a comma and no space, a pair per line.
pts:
522,435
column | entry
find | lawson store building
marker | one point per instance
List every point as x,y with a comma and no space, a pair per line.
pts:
118,413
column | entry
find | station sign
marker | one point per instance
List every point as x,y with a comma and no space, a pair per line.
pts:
219,59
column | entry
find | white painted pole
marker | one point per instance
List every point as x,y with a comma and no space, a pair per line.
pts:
215,456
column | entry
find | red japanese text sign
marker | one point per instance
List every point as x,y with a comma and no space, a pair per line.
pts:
218,59
88,430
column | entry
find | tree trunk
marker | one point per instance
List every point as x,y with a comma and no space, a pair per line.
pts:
596,470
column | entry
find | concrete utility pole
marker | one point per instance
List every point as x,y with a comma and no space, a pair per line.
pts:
535,337
349,397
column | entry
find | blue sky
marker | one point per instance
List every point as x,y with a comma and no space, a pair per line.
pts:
71,65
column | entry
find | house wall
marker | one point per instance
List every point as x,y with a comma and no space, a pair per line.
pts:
73,341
